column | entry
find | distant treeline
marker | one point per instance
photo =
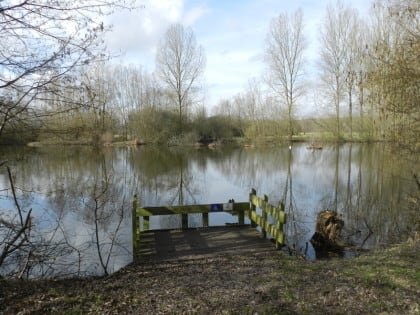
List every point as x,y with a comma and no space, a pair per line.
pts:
368,82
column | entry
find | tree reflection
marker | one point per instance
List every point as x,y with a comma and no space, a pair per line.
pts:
79,206
168,176
164,176
370,185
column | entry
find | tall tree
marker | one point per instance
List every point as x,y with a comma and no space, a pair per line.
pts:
284,56
361,68
336,35
180,63
42,43
353,64
395,70
134,90
98,94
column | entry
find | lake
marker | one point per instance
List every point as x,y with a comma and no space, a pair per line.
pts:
80,197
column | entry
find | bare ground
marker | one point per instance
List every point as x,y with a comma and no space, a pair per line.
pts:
381,282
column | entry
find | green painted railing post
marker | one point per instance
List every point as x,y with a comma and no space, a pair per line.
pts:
241,216
146,223
252,207
184,221
279,226
264,217
135,228
205,219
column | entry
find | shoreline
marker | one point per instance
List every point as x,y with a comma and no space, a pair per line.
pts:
219,143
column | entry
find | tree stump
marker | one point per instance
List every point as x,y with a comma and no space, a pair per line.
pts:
327,233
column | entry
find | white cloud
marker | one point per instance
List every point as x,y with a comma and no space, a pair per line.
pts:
136,34
139,31
228,72
168,9
194,14
231,32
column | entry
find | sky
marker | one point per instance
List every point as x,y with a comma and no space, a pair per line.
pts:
232,33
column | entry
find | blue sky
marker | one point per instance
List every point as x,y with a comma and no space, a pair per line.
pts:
232,34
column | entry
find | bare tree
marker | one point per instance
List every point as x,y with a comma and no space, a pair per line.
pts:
135,91
393,74
24,252
42,44
14,231
98,94
284,56
128,85
361,69
353,64
104,212
336,34
180,63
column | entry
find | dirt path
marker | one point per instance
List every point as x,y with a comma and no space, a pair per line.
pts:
246,282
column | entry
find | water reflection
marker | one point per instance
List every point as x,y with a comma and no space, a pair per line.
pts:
80,196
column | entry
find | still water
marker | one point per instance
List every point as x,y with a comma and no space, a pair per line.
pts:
80,197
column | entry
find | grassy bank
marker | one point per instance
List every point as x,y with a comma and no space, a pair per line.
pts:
381,282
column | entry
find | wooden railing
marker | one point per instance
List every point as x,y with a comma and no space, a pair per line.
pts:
271,219
141,215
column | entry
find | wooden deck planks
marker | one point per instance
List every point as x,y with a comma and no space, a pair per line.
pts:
163,245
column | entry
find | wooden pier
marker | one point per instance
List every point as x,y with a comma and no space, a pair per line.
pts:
200,243
187,243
